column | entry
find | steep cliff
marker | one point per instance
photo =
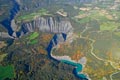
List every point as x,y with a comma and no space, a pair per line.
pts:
62,28
48,25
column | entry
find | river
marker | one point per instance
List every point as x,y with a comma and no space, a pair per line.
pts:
7,22
78,67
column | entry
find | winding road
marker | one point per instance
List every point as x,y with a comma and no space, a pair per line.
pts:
92,53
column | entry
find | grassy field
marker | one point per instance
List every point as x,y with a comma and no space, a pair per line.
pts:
7,72
110,26
99,15
31,16
33,35
32,38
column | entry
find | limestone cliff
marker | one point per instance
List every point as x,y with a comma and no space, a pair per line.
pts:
62,28
49,24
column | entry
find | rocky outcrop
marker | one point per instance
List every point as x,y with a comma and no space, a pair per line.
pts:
62,28
48,25
4,35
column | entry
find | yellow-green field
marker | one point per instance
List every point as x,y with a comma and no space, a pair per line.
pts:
31,16
2,56
110,26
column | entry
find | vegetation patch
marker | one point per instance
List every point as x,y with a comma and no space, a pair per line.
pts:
31,16
7,72
99,15
32,38
33,35
109,26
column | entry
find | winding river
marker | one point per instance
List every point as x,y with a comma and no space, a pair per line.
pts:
78,67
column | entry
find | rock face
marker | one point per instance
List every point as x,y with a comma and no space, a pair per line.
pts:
4,35
61,28
48,25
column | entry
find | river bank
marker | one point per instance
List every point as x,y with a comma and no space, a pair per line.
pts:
67,60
